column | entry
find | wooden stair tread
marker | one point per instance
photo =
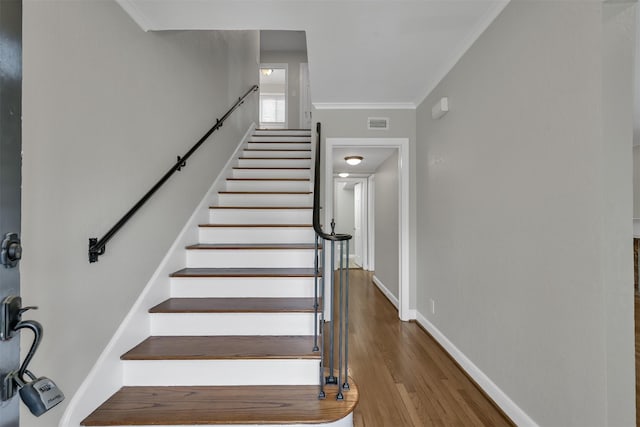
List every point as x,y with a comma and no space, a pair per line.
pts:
222,405
223,347
277,149
234,305
256,246
244,272
257,225
274,158
270,168
268,179
264,192
260,207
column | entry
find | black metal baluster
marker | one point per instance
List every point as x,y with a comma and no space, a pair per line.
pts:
315,302
331,379
340,396
345,386
322,394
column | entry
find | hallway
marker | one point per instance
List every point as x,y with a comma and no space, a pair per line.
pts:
405,377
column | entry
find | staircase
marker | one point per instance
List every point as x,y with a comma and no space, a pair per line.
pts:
234,343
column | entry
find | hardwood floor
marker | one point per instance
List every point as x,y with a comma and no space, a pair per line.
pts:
405,378
637,330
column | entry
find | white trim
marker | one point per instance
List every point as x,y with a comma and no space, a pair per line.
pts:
473,35
402,144
364,105
517,415
106,376
371,222
387,293
138,17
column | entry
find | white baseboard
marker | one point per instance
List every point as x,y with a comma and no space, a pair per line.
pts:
513,411
387,293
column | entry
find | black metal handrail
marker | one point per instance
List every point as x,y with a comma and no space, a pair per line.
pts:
316,196
97,247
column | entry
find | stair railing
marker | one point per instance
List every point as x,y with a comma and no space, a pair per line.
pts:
343,294
97,247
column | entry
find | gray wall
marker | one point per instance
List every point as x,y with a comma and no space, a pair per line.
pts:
523,211
636,181
343,209
293,80
387,224
107,108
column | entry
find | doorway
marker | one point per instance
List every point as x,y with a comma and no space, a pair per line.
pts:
273,96
351,214
401,147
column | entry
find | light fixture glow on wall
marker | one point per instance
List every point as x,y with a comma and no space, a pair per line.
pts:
440,109
353,160
343,174
266,71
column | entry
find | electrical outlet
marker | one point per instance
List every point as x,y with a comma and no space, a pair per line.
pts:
433,306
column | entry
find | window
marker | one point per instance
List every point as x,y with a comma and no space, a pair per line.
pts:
272,108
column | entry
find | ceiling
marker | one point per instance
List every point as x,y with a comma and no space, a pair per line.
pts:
372,159
362,53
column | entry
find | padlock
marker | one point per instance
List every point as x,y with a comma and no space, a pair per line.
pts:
40,394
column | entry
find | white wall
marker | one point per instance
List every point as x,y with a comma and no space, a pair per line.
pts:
524,195
636,181
293,80
387,226
106,110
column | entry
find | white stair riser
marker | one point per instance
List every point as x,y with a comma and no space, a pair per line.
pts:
238,287
280,145
275,163
276,154
283,132
241,258
256,235
268,185
204,324
260,216
254,200
220,372
279,138
344,422
271,173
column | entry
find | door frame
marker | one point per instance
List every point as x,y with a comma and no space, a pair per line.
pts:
305,97
402,144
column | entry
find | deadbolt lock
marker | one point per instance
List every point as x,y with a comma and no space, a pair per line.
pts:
11,251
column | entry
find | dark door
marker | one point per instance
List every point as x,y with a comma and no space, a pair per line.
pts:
10,177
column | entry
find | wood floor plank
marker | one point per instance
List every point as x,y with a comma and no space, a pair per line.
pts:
244,272
221,405
255,246
223,347
235,305
397,364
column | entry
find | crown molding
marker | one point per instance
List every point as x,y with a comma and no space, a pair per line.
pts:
138,17
463,47
364,105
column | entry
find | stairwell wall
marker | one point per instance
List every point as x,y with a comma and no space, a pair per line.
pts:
106,110
524,200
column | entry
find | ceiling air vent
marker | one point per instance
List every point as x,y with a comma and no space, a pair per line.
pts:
378,123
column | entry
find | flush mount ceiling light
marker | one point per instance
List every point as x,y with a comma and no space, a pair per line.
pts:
266,71
343,174
353,160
